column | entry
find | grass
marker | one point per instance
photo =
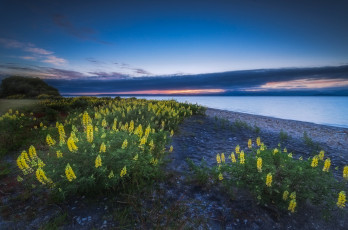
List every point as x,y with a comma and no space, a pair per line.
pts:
6,104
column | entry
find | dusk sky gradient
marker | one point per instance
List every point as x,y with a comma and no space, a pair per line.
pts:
123,40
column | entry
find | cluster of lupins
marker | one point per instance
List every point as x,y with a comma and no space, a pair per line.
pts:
117,136
268,175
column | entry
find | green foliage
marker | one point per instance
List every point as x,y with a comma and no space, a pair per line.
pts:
145,125
24,87
311,184
283,136
200,172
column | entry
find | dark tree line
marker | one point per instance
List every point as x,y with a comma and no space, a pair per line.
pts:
25,87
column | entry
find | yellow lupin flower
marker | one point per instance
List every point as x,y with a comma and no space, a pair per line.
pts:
59,154
32,152
61,134
233,158
220,176
123,171
111,174
285,195
269,180
301,158
154,161
259,164
250,143
321,155
98,161
136,157
275,151
222,157
341,201
262,147
293,195
285,150
102,148
218,159
86,119
327,165
50,141
131,126
40,163
70,175
241,157
104,123
237,149
171,133
315,161
24,155
41,177
89,133
171,149
290,155
19,163
258,141
292,205
152,145
124,144
71,144
345,172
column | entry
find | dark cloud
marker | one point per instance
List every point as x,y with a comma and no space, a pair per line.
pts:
230,81
105,75
141,71
83,33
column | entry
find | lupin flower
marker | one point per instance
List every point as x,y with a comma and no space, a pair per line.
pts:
250,143
258,141
293,195
61,134
315,161
111,174
241,157
237,149
220,176
259,164
102,148
32,152
345,172
71,144
275,151
222,157
98,161
89,133
341,201
70,175
171,133
233,158
123,171
136,157
285,195
41,176
321,155
218,158
292,205
59,154
171,149
285,150
124,144
327,165
269,180
50,141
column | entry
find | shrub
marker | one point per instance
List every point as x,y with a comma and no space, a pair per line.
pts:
116,146
276,179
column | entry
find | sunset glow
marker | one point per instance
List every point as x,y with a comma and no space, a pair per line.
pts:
306,84
153,92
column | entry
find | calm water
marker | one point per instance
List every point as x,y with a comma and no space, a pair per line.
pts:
320,110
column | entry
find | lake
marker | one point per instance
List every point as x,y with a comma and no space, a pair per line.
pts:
331,111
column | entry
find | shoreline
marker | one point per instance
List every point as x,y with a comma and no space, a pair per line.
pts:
331,137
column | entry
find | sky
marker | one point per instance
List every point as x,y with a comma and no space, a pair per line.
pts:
159,43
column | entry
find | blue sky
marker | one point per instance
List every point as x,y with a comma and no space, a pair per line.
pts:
123,39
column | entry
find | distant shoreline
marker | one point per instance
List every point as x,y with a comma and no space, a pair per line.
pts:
334,138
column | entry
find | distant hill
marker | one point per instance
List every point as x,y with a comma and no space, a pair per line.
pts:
25,87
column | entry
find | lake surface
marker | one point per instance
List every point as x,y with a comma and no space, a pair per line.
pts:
331,111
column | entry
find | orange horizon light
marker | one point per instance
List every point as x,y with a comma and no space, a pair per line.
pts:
151,92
